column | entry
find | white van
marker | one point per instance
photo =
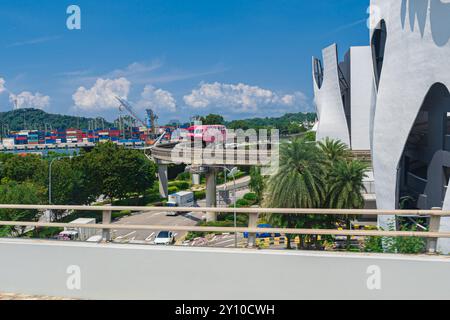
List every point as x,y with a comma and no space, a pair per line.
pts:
180,199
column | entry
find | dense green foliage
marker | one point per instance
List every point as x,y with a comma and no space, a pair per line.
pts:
314,176
21,119
257,183
299,182
334,150
212,119
12,192
404,245
345,182
250,197
291,123
108,171
117,171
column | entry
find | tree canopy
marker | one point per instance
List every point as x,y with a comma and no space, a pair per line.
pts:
117,171
107,170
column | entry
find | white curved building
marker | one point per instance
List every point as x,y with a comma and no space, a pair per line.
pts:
411,127
342,93
329,87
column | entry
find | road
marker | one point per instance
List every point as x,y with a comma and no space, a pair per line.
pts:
152,218
160,218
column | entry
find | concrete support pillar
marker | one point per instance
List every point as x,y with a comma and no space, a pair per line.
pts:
106,219
195,179
211,193
163,180
252,223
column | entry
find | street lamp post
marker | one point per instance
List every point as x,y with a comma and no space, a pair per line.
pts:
231,173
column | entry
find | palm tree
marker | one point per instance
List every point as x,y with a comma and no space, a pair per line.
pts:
334,150
345,186
257,183
299,182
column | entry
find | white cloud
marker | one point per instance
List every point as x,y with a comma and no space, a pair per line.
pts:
29,100
102,95
2,85
243,98
136,70
33,41
157,99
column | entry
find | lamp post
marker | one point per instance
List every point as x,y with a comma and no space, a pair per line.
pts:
231,173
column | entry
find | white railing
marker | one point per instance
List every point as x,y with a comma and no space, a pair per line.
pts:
432,235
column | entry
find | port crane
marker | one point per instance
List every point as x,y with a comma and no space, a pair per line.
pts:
152,120
127,106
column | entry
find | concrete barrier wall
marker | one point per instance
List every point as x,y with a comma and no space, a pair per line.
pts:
96,271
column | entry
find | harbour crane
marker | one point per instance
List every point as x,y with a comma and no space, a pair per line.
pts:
152,119
127,106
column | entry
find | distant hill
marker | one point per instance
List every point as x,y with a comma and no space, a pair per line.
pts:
290,123
34,119
37,119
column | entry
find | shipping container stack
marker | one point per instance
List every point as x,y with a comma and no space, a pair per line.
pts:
74,136
33,138
92,136
21,138
61,137
103,135
50,137
114,134
135,134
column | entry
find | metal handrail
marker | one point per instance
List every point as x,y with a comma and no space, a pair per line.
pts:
432,235
372,212
232,229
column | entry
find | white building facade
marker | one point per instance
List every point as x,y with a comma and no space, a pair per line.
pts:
342,95
397,104
411,127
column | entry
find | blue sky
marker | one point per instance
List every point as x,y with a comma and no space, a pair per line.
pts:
181,57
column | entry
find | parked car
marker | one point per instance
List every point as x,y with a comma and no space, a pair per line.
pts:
164,238
68,235
264,235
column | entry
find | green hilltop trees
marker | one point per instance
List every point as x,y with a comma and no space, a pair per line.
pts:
29,118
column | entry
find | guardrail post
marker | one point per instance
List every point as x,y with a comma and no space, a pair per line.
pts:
106,219
435,222
252,223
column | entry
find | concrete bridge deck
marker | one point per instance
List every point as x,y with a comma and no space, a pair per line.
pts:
184,153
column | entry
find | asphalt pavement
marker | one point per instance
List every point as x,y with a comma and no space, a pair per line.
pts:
160,218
